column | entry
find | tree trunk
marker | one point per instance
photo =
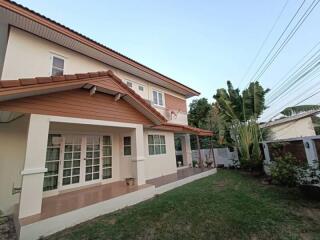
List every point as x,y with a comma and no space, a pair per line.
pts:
199,152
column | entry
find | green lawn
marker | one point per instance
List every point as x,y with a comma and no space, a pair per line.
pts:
228,205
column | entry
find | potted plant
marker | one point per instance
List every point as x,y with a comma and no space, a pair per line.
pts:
209,164
130,181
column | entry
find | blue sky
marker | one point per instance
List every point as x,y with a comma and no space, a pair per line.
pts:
199,43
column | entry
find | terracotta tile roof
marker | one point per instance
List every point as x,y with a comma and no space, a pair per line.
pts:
26,84
18,8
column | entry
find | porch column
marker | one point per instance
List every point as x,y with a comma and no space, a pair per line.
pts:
186,150
34,166
138,156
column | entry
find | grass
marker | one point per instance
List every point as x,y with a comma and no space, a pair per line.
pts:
227,205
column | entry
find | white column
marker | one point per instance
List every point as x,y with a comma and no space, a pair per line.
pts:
266,152
34,166
186,150
138,156
311,151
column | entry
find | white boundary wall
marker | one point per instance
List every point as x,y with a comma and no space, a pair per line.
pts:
222,156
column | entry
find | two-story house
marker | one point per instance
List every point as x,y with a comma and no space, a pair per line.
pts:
77,119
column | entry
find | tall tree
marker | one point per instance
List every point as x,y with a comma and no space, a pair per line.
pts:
240,112
198,116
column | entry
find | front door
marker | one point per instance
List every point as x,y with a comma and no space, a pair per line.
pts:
85,160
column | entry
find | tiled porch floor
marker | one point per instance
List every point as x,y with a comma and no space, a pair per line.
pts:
66,202
181,174
69,201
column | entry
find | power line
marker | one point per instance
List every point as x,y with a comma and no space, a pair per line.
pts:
296,104
263,43
287,76
306,73
278,40
289,37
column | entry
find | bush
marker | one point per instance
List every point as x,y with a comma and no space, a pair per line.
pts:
310,174
285,170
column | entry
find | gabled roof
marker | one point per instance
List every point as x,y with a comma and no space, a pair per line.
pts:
106,82
290,119
31,21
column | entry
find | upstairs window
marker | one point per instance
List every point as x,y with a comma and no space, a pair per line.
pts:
129,84
141,88
157,98
57,66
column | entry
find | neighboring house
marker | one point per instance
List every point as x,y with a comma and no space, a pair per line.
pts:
75,114
299,125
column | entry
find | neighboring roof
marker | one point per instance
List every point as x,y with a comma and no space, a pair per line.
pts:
183,129
290,119
105,81
65,31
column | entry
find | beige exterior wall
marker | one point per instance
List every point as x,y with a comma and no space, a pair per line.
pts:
300,128
29,56
163,164
13,141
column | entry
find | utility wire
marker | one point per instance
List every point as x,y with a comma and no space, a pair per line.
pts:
311,77
296,104
278,40
300,78
263,43
289,37
287,76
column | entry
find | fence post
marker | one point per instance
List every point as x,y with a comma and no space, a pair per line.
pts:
311,151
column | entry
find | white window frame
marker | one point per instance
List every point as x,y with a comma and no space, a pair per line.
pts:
157,144
129,82
124,145
158,93
60,57
141,88
82,182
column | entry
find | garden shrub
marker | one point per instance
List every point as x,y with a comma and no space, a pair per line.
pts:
286,170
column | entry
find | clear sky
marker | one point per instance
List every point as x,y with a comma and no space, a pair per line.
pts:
199,43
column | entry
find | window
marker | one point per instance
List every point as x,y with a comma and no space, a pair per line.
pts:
106,157
157,144
141,88
57,66
129,84
52,163
157,98
127,146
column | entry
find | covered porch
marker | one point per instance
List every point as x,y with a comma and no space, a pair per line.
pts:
70,208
